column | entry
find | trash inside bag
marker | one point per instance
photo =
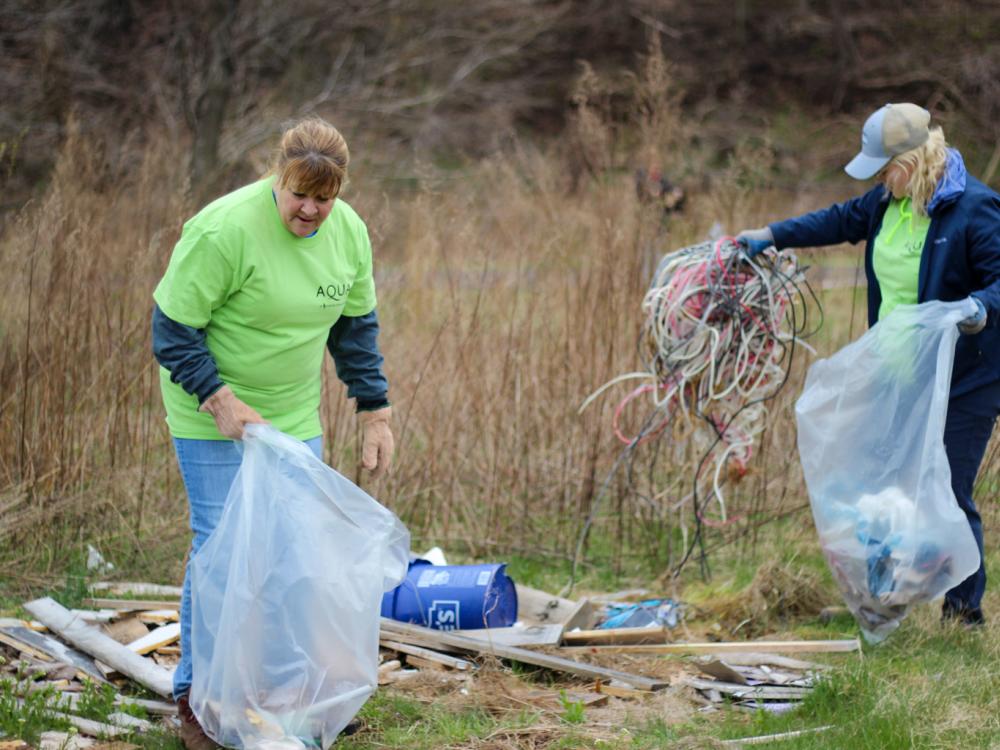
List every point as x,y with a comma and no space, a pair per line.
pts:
649,613
285,600
871,440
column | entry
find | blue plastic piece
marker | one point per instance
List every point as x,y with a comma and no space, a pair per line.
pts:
650,612
452,597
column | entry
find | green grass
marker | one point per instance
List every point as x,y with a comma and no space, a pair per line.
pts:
26,715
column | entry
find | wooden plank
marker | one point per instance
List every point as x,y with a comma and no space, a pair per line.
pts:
721,671
162,636
126,629
536,607
156,708
130,605
405,632
96,728
158,616
432,656
782,647
13,622
767,738
584,616
752,659
518,635
608,636
421,663
63,741
760,692
94,642
96,615
137,588
47,648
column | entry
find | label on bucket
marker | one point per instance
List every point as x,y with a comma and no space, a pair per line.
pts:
484,578
444,614
433,578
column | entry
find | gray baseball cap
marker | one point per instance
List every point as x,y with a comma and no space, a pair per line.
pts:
892,130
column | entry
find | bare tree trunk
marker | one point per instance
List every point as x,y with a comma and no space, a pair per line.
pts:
217,74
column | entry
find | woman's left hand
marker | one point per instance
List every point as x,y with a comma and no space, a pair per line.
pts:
377,444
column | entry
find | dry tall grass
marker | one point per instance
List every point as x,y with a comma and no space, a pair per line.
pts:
506,297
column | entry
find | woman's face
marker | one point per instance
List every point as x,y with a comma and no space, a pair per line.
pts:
896,178
300,213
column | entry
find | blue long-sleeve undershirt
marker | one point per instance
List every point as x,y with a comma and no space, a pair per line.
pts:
353,343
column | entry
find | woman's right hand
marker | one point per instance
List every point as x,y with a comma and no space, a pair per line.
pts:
755,241
231,415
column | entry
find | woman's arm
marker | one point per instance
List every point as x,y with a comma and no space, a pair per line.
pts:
183,352
849,221
353,343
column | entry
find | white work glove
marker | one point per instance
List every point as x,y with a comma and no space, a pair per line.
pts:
231,415
377,444
755,241
976,322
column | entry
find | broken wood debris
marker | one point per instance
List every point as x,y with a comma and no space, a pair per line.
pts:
46,648
428,655
753,684
64,649
440,639
132,605
755,675
91,640
618,636
768,738
781,647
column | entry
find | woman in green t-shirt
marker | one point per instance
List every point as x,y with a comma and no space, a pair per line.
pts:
262,281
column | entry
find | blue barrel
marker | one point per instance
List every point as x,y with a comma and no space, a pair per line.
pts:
452,597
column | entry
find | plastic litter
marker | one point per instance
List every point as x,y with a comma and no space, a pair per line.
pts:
871,440
285,600
648,613
454,597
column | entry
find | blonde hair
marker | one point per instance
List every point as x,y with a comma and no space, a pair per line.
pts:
926,164
312,159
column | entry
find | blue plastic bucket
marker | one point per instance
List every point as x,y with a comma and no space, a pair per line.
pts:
451,597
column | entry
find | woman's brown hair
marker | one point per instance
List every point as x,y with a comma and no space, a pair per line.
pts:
312,159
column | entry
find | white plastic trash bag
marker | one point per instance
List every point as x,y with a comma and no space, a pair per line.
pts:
871,439
285,600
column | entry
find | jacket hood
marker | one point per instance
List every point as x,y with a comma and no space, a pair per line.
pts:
951,185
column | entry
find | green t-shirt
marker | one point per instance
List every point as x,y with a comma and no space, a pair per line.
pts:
896,257
266,300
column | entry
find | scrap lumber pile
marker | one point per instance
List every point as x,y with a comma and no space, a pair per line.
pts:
61,651
756,681
118,643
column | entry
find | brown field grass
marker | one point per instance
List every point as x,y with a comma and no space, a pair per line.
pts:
507,295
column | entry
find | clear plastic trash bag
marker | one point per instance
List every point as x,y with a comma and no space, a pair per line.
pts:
871,440
285,600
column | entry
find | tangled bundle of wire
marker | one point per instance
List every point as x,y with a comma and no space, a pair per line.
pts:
718,339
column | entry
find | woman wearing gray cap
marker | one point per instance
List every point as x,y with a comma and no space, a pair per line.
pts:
932,232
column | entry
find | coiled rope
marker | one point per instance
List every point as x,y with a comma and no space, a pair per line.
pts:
718,339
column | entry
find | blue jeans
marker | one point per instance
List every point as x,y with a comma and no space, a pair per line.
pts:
208,468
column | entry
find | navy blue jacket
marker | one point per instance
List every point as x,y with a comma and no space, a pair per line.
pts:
961,257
